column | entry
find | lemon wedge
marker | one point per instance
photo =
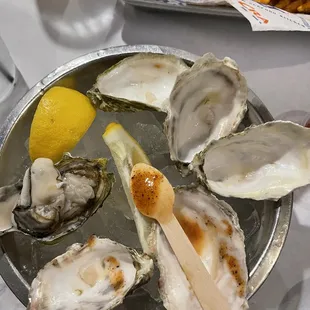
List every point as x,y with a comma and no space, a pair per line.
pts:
123,147
62,118
127,152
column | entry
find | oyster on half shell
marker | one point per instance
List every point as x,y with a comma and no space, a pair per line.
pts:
267,161
94,276
53,201
207,102
211,225
140,82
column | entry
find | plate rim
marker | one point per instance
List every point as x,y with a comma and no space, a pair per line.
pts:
215,10
8,271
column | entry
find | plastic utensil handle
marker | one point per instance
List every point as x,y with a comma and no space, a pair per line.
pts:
206,291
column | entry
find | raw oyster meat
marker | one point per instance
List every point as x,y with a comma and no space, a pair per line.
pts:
53,201
207,102
140,82
267,161
94,276
210,224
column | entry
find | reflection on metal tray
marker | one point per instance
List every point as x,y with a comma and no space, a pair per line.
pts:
180,6
265,223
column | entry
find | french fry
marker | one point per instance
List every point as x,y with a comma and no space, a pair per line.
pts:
263,1
304,8
283,3
292,7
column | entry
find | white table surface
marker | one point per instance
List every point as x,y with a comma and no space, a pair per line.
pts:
42,35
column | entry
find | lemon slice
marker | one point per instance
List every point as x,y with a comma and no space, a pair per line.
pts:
127,152
62,118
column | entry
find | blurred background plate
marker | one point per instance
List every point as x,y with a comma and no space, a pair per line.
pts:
180,6
265,223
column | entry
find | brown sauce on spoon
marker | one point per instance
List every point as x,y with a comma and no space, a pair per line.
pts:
145,187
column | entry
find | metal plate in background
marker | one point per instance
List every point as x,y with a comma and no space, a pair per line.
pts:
265,223
179,6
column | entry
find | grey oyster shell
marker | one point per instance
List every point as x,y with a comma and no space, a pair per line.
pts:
267,161
208,101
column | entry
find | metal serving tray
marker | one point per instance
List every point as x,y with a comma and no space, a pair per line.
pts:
265,223
180,6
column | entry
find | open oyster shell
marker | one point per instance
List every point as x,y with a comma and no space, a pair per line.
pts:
140,82
207,102
53,201
211,225
213,228
94,276
267,161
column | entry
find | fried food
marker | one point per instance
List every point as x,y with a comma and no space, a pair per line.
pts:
283,3
264,1
304,8
292,7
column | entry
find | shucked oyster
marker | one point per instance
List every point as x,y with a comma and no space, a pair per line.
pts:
211,225
140,82
266,161
94,276
207,102
53,201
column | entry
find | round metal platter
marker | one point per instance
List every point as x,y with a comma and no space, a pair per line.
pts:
265,223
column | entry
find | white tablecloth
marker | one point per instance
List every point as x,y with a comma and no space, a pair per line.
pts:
42,35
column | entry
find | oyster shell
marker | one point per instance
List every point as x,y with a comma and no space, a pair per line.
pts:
94,276
267,161
210,224
140,82
213,228
9,196
53,201
207,102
